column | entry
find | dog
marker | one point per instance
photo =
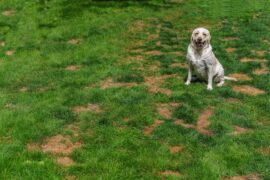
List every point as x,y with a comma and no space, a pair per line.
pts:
202,61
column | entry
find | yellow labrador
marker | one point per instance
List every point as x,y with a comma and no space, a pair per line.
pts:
202,61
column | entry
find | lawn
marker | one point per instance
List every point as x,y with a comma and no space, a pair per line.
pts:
94,89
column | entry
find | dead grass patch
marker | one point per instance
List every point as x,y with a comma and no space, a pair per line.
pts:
154,53
23,89
136,27
8,13
148,129
10,52
240,76
65,161
246,60
249,90
264,150
176,53
202,123
247,177
73,68
33,147
165,109
258,52
230,50
170,173
176,149
74,41
180,65
87,108
263,70
2,43
240,130
109,83
135,58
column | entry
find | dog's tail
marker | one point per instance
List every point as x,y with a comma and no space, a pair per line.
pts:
230,78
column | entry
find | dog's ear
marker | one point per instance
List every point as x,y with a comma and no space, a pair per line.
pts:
209,38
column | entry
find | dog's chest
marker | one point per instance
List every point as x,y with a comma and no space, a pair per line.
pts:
199,66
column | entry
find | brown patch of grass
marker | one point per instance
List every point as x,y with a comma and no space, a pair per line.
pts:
247,177
70,178
176,149
230,38
263,70
8,13
240,130
249,90
154,53
59,144
230,50
88,108
170,173
158,43
136,50
109,83
137,26
258,52
154,66
148,129
135,58
176,53
152,37
264,150
65,161
153,83
74,41
33,147
73,68
165,109
10,52
180,65
240,76
246,60
202,122
23,89
2,43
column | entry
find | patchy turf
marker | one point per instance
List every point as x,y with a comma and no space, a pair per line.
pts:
96,89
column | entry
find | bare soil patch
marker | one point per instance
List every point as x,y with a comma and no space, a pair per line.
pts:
153,83
231,38
8,13
88,108
202,123
109,83
73,68
247,177
264,150
230,50
154,53
10,52
249,90
176,149
74,41
65,161
165,109
59,144
240,76
240,130
148,129
170,173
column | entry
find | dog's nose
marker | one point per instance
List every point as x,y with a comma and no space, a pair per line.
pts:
199,39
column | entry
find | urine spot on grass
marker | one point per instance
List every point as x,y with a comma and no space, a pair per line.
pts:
264,150
10,52
202,123
240,130
74,41
59,144
247,177
109,83
249,90
230,50
148,129
65,161
8,13
240,76
87,108
23,89
73,68
180,65
170,173
176,149
154,53
165,109
153,83
231,38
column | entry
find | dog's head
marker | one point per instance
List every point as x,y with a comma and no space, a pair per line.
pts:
200,38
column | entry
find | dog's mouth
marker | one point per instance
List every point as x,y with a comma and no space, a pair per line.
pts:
200,44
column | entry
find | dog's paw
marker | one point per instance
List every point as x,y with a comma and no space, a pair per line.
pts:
187,83
210,88
220,84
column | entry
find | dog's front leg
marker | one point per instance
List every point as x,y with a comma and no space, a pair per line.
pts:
210,77
189,74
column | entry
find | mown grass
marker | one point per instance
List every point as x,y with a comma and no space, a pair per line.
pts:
38,32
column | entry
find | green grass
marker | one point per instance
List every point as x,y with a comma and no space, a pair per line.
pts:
38,32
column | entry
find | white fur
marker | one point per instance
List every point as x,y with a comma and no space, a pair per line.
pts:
202,61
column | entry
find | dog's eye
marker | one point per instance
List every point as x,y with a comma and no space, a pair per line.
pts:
196,33
204,34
